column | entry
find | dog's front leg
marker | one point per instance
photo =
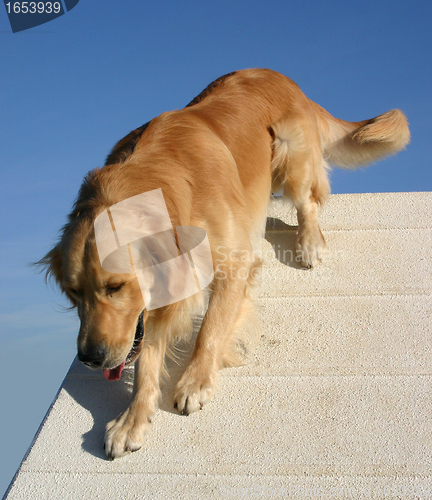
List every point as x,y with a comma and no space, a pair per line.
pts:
126,433
198,383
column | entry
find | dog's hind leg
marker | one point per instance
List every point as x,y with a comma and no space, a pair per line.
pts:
300,169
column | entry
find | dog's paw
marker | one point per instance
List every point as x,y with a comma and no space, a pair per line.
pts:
125,434
310,248
195,388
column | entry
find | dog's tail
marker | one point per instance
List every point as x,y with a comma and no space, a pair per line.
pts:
350,144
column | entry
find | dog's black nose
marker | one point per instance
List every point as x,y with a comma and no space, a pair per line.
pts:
93,356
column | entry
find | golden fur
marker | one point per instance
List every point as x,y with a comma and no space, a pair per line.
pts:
216,162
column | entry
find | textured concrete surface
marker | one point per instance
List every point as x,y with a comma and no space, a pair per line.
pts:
335,402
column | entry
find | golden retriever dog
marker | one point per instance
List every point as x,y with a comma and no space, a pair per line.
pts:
216,162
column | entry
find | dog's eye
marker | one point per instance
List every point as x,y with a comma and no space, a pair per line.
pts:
113,288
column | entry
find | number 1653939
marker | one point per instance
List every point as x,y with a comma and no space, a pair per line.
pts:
33,7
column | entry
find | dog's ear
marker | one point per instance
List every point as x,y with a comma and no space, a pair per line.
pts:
52,265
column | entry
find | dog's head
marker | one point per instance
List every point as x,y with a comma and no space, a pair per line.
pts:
110,305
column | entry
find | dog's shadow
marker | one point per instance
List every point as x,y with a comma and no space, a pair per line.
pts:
105,400
282,238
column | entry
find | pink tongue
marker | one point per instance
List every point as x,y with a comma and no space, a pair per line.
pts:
114,373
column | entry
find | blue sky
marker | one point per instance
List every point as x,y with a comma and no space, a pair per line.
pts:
71,88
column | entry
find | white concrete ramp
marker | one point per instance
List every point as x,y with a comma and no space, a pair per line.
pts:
336,401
